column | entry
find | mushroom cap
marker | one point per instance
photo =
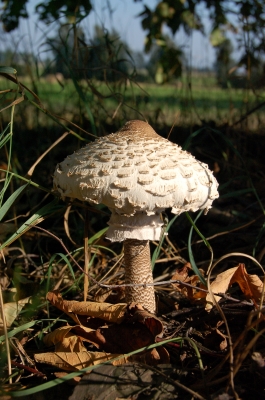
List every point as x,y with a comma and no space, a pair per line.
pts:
137,171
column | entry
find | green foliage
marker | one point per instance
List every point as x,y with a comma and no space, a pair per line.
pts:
8,70
217,37
73,10
186,14
35,219
87,62
224,61
165,63
48,11
174,14
191,257
105,57
10,201
65,46
102,57
13,10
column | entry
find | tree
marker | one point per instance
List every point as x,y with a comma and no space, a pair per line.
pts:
109,56
48,11
224,62
68,47
104,57
165,61
175,14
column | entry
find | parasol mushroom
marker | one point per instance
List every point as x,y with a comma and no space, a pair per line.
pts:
137,174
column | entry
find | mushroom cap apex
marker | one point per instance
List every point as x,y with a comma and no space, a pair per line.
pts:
135,130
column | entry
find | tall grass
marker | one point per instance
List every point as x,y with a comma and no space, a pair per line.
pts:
182,103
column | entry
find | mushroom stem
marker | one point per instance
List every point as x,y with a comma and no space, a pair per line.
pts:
138,270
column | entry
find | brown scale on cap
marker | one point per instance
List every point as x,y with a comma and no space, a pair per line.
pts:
137,174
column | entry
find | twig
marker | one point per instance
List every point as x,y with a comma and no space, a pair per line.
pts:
31,170
6,336
87,251
26,368
231,230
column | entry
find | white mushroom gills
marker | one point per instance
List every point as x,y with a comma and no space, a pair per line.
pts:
137,174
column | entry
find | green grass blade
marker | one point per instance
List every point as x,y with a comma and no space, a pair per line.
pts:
8,179
4,131
207,244
5,139
100,247
33,220
29,181
6,206
106,248
158,248
63,257
26,326
84,99
8,70
21,328
97,235
56,120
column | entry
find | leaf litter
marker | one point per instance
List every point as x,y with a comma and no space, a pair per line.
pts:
251,285
113,330
123,329
103,332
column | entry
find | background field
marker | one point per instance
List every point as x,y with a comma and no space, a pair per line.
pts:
188,102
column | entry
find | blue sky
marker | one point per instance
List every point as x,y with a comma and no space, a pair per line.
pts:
123,19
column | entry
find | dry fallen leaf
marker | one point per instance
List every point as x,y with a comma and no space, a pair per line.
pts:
137,313
74,361
158,355
86,312
114,329
125,338
108,312
64,340
122,338
182,275
251,285
258,360
79,360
